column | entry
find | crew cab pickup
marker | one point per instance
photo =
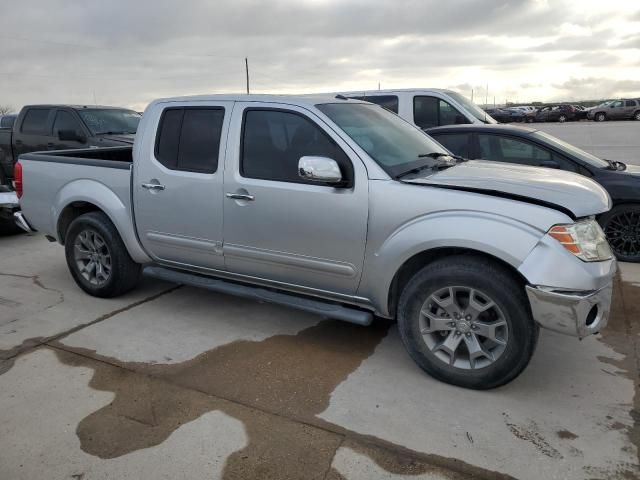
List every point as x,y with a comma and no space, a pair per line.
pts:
337,207
58,127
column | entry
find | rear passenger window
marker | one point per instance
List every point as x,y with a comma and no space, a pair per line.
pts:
390,102
189,139
457,143
273,142
630,103
35,121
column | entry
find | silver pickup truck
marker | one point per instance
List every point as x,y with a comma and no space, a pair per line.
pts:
337,207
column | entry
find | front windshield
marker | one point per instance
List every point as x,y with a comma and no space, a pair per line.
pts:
570,149
110,120
472,108
392,142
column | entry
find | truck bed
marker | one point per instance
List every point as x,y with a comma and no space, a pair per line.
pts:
99,176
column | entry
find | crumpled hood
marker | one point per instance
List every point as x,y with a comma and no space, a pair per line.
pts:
570,191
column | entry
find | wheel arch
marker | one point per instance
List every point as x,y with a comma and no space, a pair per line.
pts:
418,261
83,196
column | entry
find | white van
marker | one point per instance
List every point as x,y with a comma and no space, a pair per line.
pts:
427,108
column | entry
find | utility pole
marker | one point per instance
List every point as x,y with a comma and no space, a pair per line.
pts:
472,95
486,97
246,68
378,85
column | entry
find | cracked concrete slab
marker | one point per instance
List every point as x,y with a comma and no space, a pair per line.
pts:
39,299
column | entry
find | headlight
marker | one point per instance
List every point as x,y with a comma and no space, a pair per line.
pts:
585,239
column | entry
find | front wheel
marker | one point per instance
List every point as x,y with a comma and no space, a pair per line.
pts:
562,118
600,117
621,226
97,258
465,320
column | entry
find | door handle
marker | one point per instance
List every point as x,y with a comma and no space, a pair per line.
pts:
153,186
240,196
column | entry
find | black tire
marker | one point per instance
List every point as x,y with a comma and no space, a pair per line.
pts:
636,115
621,225
124,272
9,227
562,118
506,291
600,117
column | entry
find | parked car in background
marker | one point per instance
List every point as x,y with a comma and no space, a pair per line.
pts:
557,113
61,127
624,109
506,115
6,121
426,108
580,112
528,146
222,192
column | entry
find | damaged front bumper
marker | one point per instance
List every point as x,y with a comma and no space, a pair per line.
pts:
578,314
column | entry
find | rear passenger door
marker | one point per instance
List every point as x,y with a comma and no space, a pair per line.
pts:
34,132
630,107
177,184
280,227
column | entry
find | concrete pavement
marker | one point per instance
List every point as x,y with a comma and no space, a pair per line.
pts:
179,383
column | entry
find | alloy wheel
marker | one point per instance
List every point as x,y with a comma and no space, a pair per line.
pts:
463,327
92,256
623,233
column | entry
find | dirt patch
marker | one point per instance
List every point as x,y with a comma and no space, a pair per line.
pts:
287,376
531,433
566,435
623,336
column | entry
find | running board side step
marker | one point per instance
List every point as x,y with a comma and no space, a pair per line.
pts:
327,309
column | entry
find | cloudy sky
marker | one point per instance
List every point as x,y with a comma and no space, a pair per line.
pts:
128,52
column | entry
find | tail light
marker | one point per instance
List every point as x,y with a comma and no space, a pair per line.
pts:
17,179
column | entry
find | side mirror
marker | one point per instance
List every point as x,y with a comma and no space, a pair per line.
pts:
550,164
70,136
319,169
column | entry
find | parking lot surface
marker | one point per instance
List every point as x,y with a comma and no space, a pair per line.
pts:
613,140
174,382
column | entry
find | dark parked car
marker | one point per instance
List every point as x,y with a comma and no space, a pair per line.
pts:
558,113
528,146
581,112
616,110
64,127
505,115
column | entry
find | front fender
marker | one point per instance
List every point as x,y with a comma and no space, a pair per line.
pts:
98,194
505,238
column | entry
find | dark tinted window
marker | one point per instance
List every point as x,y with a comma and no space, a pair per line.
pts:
7,121
273,142
630,103
35,121
189,139
456,143
516,150
66,121
390,102
431,112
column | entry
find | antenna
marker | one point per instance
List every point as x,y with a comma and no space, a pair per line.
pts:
246,68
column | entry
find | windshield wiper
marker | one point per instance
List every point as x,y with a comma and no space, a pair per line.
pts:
433,166
615,165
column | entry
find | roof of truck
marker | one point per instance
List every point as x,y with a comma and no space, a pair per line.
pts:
312,99
75,107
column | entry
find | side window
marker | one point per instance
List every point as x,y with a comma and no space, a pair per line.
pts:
425,112
273,142
630,103
35,121
189,139
616,104
515,150
456,143
65,121
390,102
431,112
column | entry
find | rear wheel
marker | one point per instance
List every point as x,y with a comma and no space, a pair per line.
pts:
636,116
600,117
97,258
465,320
621,225
562,118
